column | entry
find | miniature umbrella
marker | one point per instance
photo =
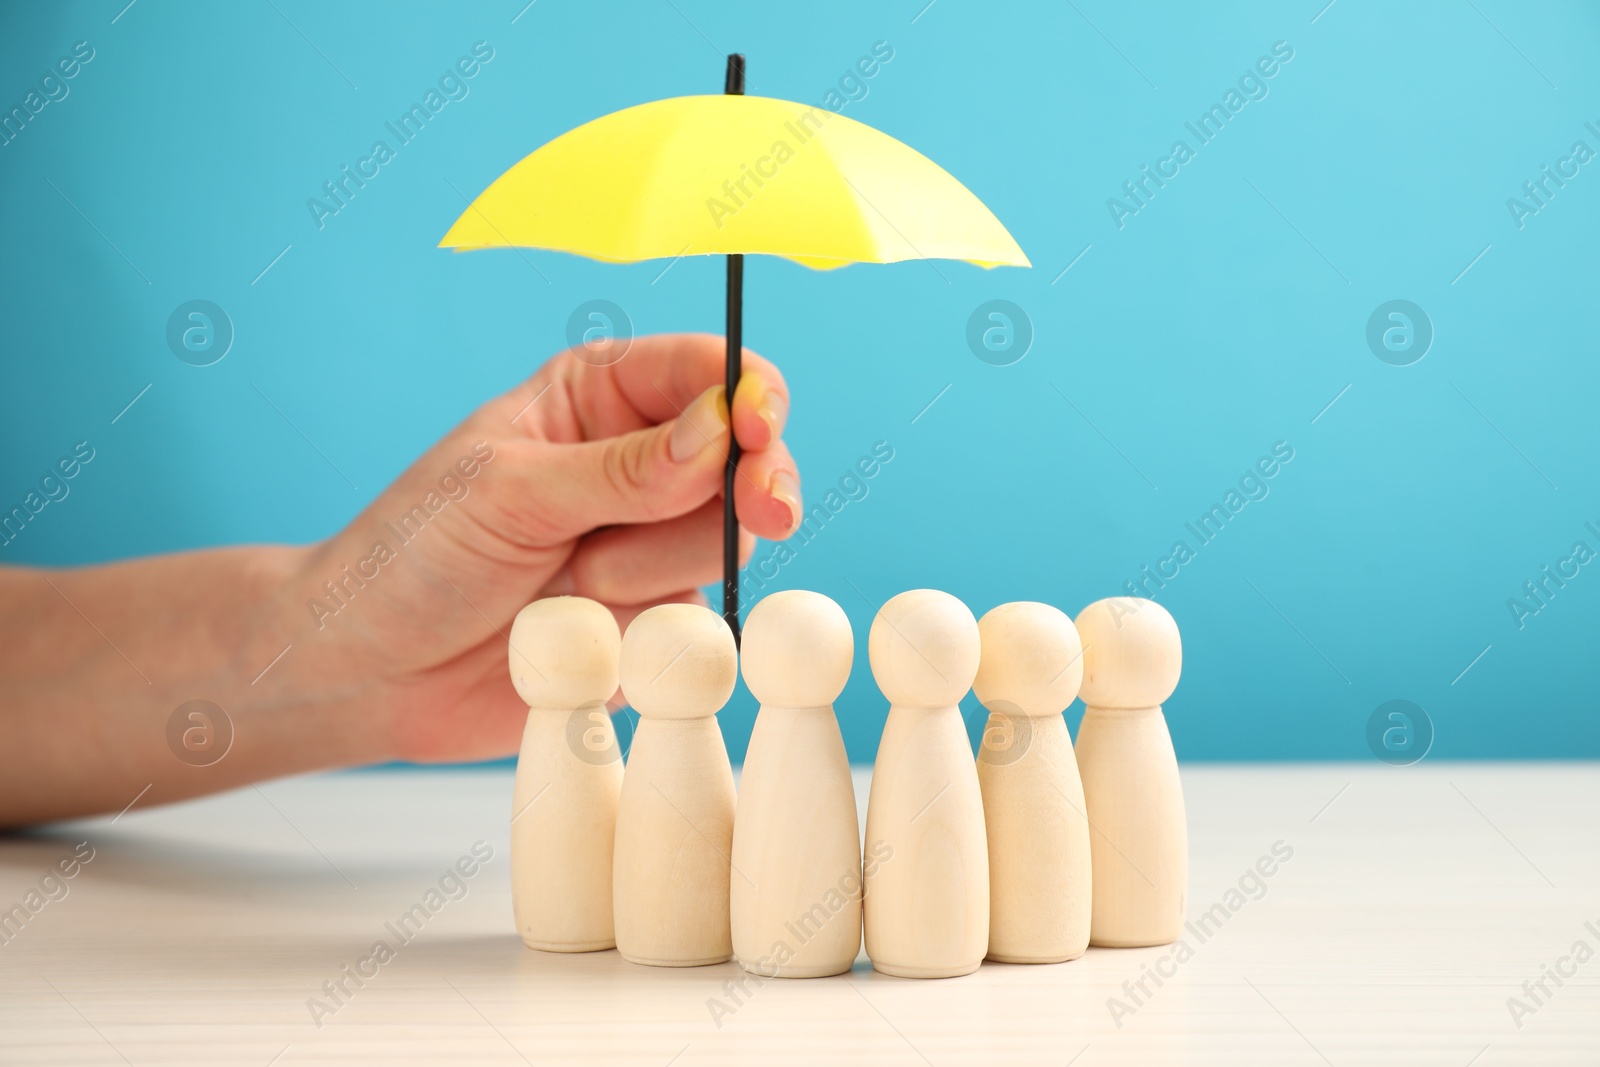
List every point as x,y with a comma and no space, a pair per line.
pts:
730,175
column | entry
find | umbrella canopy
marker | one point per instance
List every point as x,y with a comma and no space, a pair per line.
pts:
734,175
714,175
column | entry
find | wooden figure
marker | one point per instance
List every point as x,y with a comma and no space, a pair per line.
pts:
1132,657
675,820
563,660
1039,855
795,836
927,872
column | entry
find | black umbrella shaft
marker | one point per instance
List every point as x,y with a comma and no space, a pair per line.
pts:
730,519
733,86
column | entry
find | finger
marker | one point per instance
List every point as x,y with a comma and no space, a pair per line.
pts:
766,493
638,564
626,613
661,374
570,398
546,492
760,409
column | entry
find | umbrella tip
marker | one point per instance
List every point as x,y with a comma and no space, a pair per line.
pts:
734,85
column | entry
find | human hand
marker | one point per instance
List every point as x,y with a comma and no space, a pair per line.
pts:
598,481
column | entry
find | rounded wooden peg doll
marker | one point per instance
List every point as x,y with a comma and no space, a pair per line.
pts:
927,862
563,659
1132,657
1040,876
675,819
796,834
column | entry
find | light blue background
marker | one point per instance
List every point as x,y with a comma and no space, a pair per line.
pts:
1223,318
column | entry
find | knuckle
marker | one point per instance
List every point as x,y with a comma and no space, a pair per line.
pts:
623,466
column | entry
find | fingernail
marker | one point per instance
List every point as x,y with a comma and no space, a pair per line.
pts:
561,583
702,425
785,489
774,409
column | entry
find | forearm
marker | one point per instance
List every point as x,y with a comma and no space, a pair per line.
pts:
388,639
97,660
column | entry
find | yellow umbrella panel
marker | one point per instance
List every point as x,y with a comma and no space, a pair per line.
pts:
732,175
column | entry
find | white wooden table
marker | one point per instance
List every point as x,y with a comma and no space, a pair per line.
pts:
1416,902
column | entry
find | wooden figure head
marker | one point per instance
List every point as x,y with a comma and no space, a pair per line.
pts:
797,650
1032,662
924,649
678,662
1132,654
564,653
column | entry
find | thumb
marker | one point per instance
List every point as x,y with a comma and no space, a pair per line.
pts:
644,476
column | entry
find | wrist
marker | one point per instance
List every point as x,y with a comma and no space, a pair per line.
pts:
311,686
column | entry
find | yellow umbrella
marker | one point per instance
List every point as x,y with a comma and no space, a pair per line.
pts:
730,175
